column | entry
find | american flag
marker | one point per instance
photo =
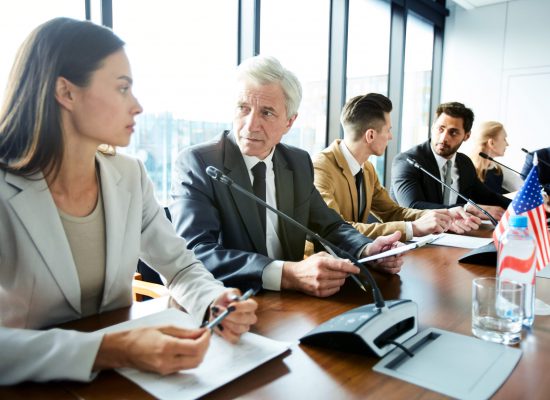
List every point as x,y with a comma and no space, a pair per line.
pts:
529,202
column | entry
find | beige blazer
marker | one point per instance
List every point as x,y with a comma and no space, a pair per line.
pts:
336,184
39,285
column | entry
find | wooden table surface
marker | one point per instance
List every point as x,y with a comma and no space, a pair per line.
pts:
431,276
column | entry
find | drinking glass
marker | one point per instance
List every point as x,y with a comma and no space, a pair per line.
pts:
497,310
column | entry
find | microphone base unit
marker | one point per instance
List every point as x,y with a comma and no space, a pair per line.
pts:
367,329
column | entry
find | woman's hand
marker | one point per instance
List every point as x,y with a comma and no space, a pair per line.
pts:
163,350
238,321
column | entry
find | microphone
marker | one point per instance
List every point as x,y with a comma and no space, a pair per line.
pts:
538,159
487,157
415,164
369,328
218,175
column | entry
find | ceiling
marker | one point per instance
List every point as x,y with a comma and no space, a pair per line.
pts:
471,4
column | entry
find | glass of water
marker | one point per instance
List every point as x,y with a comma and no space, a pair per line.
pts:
497,310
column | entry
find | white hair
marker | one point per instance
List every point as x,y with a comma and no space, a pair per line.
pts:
264,70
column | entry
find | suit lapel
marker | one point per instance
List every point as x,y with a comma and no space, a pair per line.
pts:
284,187
116,202
350,179
38,213
235,168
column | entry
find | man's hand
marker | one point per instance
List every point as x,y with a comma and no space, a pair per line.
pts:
463,221
319,275
495,211
238,321
392,264
434,221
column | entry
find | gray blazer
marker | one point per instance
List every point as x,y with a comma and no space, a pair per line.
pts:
39,286
222,225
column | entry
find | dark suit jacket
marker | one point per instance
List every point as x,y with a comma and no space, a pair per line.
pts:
544,170
222,225
415,189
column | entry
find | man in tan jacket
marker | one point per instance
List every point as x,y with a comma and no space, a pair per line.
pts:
349,184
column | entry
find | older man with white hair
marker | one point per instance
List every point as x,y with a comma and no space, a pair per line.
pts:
237,240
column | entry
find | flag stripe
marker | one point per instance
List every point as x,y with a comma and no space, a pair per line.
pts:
529,202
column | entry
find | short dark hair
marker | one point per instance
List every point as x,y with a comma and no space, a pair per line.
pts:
365,112
31,139
457,110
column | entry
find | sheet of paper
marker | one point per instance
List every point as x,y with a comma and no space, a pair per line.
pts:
452,240
401,249
223,362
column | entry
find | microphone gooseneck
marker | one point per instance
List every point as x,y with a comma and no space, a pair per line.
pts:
216,174
488,157
538,159
376,328
415,164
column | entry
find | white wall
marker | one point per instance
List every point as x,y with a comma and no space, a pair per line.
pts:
496,60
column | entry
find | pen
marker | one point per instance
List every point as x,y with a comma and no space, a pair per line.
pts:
216,321
356,279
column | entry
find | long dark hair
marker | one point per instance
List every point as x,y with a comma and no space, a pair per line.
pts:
31,137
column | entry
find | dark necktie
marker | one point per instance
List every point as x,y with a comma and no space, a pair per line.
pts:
258,171
361,195
448,180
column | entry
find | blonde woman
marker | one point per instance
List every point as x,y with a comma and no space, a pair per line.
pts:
490,137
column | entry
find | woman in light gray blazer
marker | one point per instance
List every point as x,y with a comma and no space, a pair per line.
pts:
75,218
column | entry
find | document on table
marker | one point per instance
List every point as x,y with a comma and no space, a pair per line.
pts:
223,362
452,240
421,241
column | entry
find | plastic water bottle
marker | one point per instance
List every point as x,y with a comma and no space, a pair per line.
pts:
516,262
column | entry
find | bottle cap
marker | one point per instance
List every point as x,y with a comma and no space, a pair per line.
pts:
518,221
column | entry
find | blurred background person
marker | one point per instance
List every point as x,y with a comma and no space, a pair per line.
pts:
490,137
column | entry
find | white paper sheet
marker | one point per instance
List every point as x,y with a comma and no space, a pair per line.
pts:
223,362
401,249
452,240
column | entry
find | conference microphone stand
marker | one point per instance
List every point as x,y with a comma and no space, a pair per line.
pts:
377,325
538,159
488,157
415,164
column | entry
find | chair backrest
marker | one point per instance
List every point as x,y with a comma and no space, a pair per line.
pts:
141,288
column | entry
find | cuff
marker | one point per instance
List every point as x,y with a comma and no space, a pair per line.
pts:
362,250
272,275
408,230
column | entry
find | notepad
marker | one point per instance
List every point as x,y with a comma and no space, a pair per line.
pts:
223,362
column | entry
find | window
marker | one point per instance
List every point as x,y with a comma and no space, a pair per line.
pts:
418,82
297,34
182,60
16,22
368,53
368,47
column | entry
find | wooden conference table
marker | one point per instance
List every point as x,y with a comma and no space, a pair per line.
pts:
431,276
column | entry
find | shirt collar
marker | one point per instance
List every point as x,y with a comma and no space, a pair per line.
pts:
251,161
353,165
441,161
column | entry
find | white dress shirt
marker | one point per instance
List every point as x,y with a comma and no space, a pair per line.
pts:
441,161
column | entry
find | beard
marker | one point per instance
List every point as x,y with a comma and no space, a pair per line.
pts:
445,151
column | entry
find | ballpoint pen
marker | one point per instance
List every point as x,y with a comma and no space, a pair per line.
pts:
332,253
216,321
